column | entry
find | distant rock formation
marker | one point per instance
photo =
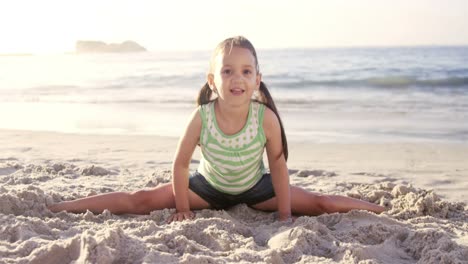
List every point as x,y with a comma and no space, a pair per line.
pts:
99,46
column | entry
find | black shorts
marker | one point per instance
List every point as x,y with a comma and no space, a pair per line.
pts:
260,192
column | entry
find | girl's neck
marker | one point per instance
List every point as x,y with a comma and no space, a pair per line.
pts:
231,119
231,113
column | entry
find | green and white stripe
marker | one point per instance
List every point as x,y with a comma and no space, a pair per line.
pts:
232,163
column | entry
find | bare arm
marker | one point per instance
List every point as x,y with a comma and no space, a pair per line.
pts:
180,167
277,163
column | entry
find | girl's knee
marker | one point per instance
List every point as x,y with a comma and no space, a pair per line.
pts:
144,201
326,204
139,199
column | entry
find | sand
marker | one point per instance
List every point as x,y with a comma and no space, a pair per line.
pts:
423,185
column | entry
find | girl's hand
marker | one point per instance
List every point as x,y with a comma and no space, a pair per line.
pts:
181,216
287,218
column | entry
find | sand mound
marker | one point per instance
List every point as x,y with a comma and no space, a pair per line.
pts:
405,201
419,226
30,201
95,170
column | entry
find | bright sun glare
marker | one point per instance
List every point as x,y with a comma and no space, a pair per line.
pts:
54,26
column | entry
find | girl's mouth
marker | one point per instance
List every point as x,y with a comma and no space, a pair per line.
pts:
237,91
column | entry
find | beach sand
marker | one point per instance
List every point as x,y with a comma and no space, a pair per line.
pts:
424,186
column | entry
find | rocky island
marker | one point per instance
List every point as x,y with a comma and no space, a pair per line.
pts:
100,47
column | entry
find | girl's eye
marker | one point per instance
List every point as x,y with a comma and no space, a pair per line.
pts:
247,71
227,71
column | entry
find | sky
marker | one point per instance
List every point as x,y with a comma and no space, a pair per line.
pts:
55,25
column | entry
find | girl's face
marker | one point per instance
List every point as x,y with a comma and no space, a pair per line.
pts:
234,77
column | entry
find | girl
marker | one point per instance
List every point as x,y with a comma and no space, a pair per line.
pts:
235,121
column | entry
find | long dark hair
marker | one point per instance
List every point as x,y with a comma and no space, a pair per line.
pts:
205,94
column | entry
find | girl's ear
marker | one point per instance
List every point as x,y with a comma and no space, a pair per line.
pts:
210,81
258,80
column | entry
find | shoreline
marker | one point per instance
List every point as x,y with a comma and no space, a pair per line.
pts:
339,122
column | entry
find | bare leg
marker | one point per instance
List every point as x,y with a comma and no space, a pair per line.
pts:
308,203
140,202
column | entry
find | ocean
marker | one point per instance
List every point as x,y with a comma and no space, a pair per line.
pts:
345,95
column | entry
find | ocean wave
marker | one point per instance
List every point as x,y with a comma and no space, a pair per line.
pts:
155,80
102,101
375,82
194,82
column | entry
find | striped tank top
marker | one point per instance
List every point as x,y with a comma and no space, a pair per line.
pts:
232,163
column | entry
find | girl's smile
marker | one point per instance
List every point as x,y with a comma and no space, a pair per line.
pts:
237,91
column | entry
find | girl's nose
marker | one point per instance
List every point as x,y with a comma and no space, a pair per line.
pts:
237,76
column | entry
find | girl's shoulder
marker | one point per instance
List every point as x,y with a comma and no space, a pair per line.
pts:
205,111
269,116
270,122
195,116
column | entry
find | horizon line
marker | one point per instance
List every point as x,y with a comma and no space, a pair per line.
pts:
13,54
